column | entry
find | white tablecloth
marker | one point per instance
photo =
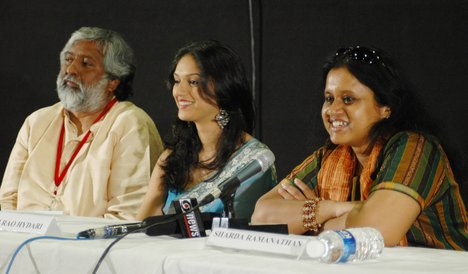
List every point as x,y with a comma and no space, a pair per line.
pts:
163,254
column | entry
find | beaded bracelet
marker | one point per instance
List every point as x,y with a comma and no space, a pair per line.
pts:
309,212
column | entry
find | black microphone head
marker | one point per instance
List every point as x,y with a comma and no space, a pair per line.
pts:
265,158
161,225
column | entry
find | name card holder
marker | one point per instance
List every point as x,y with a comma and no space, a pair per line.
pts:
292,245
28,223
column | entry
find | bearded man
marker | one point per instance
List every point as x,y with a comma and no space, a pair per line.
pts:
92,153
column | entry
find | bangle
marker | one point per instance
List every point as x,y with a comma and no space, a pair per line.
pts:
309,213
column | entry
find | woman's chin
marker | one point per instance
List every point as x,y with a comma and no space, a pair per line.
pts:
336,140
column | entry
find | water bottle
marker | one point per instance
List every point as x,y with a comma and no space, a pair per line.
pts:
350,245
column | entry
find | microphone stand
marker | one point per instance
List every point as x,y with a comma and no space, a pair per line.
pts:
228,201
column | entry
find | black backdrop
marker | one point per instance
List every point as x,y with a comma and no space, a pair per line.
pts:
291,38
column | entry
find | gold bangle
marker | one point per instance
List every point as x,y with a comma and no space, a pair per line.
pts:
309,214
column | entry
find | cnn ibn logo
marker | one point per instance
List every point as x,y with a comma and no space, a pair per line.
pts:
190,218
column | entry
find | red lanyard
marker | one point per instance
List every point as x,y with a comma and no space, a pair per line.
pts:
58,178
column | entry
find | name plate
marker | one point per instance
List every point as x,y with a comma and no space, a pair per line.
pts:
28,223
293,245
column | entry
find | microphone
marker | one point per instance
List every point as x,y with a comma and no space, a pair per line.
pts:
259,164
157,225
110,231
190,222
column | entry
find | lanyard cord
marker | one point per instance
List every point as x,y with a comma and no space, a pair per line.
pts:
58,176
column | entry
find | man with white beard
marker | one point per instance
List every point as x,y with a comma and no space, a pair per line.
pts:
92,153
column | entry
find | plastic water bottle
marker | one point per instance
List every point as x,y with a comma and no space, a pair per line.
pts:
350,245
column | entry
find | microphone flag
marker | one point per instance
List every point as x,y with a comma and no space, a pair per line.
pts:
191,224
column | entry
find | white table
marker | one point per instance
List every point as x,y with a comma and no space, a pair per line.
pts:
143,254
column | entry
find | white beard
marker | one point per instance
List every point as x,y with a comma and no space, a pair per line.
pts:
86,99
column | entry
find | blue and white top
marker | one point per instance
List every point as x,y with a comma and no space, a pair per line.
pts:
246,195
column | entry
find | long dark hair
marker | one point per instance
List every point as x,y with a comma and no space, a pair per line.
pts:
220,66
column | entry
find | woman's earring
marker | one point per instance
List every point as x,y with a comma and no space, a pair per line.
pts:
222,118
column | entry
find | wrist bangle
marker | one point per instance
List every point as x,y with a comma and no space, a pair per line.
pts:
309,213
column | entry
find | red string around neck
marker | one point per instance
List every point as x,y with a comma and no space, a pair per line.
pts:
58,176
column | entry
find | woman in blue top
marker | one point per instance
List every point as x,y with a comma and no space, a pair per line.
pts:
211,139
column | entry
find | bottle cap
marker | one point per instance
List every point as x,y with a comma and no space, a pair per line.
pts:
315,249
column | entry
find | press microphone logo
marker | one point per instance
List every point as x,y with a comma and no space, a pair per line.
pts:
190,220
186,205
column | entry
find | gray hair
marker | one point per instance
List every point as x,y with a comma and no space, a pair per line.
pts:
119,61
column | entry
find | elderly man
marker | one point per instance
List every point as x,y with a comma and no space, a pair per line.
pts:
92,153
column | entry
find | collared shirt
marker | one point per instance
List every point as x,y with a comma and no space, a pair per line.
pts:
416,165
109,176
